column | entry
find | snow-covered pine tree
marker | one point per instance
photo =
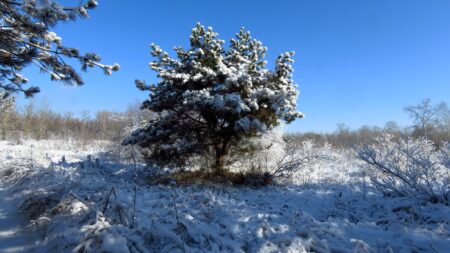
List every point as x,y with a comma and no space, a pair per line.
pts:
212,97
26,39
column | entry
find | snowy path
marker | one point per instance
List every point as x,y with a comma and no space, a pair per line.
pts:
12,238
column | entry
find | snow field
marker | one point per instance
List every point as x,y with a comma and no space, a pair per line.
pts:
324,208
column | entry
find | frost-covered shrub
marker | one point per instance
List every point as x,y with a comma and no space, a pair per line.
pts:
300,159
445,155
258,155
281,156
408,167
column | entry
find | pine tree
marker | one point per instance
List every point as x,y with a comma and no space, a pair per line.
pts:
211,97
26,39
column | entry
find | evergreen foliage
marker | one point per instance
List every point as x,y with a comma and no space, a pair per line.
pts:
212,96
26,39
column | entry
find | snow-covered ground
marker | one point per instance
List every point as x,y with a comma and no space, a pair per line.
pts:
13,238
87,201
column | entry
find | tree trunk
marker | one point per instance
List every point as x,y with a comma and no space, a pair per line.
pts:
220,150
220,163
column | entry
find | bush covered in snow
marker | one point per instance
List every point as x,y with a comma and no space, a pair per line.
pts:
279,155
408,167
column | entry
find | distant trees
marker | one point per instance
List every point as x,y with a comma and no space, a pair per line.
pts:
431,121
26,40
38,121
212,97
392,127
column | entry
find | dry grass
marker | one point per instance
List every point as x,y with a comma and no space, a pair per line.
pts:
201,177
6,172
36,205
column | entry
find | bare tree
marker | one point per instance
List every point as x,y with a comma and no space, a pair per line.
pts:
423,115
43,118
28,116
67,118
392,127
84,128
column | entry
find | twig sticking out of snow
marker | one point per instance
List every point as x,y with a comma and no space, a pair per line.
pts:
118,208
179,224
112,191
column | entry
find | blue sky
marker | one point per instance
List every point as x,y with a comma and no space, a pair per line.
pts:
357,62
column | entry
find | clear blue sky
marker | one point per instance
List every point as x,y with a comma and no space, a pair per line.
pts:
357,62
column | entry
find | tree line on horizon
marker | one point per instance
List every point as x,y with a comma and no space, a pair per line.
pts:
38,121
35,120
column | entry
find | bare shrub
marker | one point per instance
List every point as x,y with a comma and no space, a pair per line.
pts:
282,156
298,156
408,167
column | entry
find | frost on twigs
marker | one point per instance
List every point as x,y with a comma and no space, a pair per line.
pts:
297,156
445,155
212,96
27,39
280,155
408,167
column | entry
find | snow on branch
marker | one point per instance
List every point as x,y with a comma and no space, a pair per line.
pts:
26,38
